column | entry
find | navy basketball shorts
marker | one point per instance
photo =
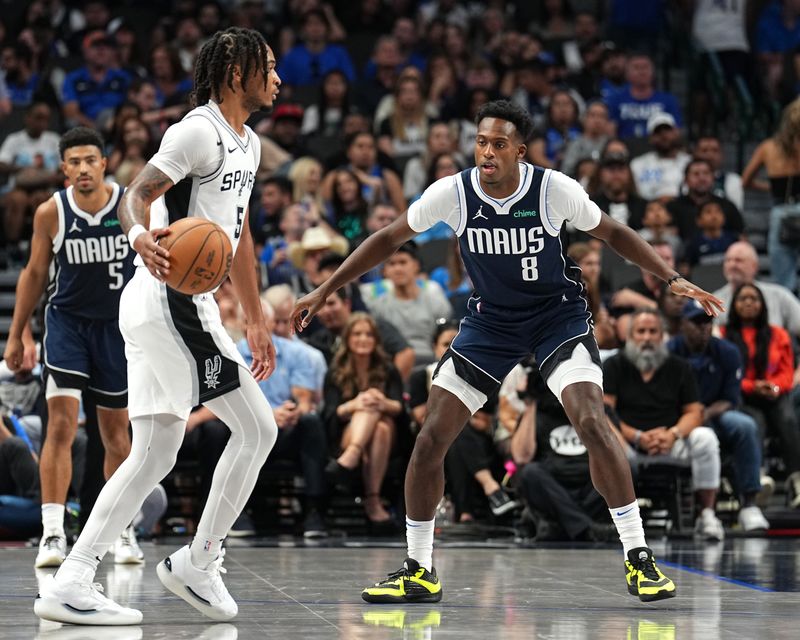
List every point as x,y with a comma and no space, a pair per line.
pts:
83,354
492,340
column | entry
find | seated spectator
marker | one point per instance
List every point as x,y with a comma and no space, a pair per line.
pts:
419,383
555,482
657,226
404,130
685,209
717,368
411,303
306,177
31,160
172,83
633,107
308,61
659,173
98,86
416,174
347,211
767,353
25,85
711,241
380,74
363,409
20,501
561,128
472,466
132,149
306,254
741,267
777,31
442,165
283,130
532,87
614,189
587,258
378,184
591,141
655,396
325,117
335,316
290,391
276,195
727,184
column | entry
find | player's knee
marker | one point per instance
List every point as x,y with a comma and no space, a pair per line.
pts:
593,429
428,447
60,430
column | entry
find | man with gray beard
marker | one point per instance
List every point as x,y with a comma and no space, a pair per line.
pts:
655,396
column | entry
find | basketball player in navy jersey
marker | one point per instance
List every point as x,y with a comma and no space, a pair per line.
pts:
78,230
178,352
528,299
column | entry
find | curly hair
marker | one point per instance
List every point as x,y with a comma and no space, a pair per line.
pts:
234,46
505,110
343,365
788,132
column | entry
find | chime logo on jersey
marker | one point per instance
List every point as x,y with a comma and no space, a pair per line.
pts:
243,179
213,369
94,250
499,241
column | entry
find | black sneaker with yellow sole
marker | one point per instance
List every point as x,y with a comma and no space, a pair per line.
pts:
412,583
645,579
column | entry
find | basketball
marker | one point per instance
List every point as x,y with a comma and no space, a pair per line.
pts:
200,255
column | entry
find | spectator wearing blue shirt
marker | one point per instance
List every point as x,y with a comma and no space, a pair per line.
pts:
777,32
631,107
308,62
97,87
717,368
21,79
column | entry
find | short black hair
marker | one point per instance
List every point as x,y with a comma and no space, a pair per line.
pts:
505,110
410,248
283,184
695,161
442,325
330,259
79,137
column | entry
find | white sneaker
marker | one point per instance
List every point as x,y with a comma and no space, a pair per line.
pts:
752,519
202,589
81,603
52,551
127,549
708,526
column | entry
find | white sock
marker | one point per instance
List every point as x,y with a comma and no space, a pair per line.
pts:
52,519
419,536
629,526
205,548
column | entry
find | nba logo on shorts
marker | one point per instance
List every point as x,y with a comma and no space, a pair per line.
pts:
213,369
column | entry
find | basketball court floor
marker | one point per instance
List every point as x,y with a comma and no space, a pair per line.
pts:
744,588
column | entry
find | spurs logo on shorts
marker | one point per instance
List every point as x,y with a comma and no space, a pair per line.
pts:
213,369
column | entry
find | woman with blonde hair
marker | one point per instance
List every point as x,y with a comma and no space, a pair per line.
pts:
306,176
404,132
780,156
363,400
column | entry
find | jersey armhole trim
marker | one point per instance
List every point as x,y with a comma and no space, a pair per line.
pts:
58,241
462,205
546,222
218,170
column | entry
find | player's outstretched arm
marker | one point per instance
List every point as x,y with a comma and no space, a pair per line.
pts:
629,244
149,185
32,281
374,250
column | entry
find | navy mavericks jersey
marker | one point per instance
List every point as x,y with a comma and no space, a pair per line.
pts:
511,249
93,260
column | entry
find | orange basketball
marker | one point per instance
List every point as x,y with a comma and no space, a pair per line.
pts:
200,255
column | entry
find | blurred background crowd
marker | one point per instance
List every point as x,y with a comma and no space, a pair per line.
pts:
680,119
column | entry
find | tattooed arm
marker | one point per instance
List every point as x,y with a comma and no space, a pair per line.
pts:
145,188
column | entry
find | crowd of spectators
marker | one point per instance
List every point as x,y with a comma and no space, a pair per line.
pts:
378,102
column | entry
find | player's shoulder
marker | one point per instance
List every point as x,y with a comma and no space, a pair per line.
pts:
198,120
46,215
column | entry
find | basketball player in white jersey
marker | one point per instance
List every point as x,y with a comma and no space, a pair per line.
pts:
178,352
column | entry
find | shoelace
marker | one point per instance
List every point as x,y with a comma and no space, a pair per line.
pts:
215,569
400,573
52,541
648,567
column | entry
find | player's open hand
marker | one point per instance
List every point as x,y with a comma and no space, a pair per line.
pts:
263,351
711,304
155,257
305,309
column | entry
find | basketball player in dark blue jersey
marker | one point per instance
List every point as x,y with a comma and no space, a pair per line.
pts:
77,230
528,299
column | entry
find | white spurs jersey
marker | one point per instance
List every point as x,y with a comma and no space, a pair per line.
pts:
213,170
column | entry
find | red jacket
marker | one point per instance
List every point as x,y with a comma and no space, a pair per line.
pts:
780,359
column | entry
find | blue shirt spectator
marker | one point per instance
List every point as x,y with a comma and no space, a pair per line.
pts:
631,114
718,369
772,33
292,369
